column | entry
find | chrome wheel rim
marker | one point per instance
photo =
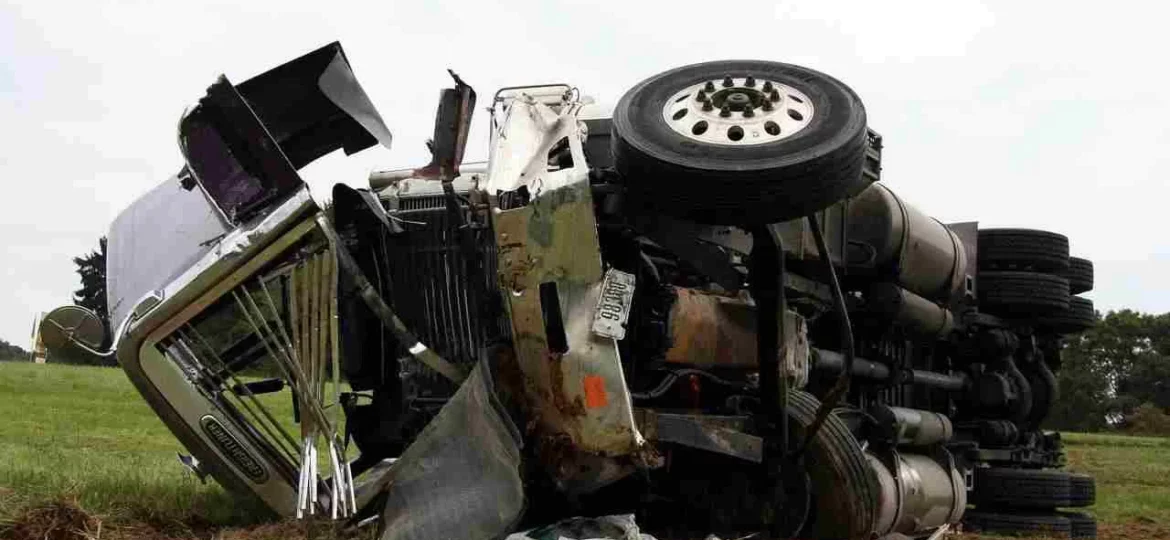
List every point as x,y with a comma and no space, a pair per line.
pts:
738,111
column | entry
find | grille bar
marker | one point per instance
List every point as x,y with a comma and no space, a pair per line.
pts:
284,322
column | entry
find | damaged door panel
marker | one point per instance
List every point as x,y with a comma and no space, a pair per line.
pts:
573,377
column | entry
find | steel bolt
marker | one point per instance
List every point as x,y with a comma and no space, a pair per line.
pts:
725,111
767,86
775,95
710,86
727,82
750,82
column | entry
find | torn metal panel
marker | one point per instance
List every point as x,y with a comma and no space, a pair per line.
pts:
719,434
527,130
461,477
573,378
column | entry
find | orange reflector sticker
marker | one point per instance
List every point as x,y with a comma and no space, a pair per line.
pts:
595,395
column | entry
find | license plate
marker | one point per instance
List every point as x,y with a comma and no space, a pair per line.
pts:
613,308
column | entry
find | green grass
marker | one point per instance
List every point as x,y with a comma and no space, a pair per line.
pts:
84,432
1133,475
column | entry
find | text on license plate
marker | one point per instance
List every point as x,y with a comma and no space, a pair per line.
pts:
613,307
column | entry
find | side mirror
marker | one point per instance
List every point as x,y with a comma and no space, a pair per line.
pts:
452,124
68,328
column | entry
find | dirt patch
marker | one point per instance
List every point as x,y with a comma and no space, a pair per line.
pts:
1132,530
58,520
66,520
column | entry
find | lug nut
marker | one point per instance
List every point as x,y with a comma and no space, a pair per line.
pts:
768,106
750,82
767,86
710,86
748,112
725,111
727,82
707,106
775,95
701,96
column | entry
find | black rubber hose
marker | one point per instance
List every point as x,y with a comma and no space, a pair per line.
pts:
1045,392
1023,405
833,396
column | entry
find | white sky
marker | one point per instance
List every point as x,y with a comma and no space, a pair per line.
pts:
1051,115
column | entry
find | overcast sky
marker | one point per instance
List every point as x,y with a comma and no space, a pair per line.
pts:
1049,115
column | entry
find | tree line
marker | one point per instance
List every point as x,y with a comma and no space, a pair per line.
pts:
1116,376
11,352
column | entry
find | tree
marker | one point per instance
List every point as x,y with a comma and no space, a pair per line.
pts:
1111,371
9,351
92,294
1086,393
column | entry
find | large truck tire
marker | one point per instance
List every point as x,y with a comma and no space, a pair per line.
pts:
1078,317
1022,249
845,490
1004,523
1079,275
1013,294
1082,490
1082,526
1021,488
740,142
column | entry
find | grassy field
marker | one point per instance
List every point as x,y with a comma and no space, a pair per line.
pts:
83,433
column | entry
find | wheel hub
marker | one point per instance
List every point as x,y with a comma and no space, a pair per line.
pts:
738,111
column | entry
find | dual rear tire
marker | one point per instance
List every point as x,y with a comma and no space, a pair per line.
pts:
1024,501
1027,275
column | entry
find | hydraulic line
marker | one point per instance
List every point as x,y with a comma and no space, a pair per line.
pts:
842,385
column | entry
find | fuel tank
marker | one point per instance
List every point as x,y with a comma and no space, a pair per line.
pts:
890,238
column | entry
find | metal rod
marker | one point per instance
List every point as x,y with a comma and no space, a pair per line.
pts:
842,385
766,280
296,375
289,450
322,323
834,362
349,485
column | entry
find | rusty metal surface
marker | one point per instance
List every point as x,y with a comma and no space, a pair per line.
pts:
719,434
709,329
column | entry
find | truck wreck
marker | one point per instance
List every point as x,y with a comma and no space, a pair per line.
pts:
704,310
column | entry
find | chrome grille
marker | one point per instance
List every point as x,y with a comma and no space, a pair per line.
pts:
277,327
430,283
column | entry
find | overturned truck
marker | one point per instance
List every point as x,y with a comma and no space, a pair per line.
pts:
703,309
